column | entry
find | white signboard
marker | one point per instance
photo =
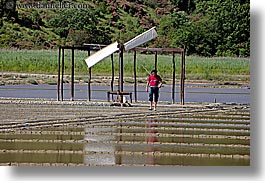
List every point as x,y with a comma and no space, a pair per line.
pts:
141,39
101,54
110,49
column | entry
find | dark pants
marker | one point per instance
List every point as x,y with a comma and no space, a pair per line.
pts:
153,94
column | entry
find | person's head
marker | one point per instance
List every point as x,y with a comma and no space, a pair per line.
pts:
154,72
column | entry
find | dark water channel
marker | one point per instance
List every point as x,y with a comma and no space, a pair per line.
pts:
237,95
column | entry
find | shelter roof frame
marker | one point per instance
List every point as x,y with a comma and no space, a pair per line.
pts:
95,47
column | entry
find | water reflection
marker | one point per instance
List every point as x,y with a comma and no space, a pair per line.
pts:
121,144
151,138
101,152
239,95
102,146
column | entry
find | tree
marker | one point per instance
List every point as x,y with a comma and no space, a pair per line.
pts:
8,9
83,22
231,19
185,5
128,27
171,28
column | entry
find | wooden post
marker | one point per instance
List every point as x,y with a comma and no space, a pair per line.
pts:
58,79
112,76
89,83
181,80
182,77
121,71
89,79
174,77
135,79
62,81
72,74
156,60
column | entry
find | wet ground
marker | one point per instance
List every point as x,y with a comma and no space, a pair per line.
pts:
55,133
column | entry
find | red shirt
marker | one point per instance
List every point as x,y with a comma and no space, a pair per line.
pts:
154,80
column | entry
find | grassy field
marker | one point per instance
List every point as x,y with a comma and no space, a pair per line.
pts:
197,68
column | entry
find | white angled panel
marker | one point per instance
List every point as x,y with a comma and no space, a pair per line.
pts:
101,54
141,39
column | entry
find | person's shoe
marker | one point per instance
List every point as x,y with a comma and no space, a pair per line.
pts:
150,108
154,109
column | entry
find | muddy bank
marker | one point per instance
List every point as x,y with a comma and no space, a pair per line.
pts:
23,110
12,78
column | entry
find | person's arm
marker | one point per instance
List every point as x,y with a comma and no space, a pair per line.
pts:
160,83
147,85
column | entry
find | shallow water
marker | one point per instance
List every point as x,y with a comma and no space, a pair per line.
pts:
238,95
144,141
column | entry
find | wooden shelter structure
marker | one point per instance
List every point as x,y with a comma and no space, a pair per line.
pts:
61,61
94,47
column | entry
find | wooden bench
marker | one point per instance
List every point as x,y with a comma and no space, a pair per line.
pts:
119,94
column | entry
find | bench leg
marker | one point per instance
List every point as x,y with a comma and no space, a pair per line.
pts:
108,96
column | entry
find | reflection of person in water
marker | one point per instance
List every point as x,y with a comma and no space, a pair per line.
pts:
151,138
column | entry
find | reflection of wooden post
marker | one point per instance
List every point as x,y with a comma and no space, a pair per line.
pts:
58,78
174,76
89,79
72,74
62,81
134,73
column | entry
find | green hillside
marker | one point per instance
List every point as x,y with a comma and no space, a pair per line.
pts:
204,27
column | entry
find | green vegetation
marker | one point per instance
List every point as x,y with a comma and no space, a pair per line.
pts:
197,68
30,36
205,27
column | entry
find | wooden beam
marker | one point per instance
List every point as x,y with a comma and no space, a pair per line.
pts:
177,50
85,48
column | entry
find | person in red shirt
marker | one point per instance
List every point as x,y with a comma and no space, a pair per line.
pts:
154,82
